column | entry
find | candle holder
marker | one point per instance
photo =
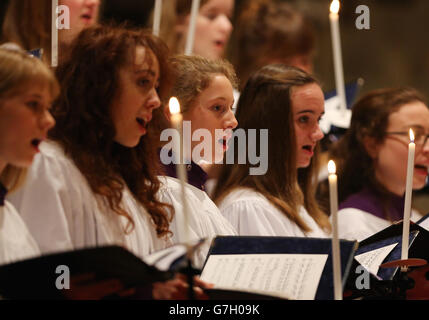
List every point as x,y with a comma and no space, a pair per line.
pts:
405,280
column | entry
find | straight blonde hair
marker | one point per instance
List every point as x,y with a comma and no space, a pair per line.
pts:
17,71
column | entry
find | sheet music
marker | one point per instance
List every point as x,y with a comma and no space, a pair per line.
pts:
292,276
372,260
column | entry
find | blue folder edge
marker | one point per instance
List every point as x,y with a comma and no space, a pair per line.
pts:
423,219
292,245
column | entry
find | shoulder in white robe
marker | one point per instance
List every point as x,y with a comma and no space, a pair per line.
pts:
16,242
252,214
62,212
356,224
204,219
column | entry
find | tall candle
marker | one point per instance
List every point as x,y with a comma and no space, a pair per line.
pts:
192,24
177,123
408,193
336,259
157,18
336,48
54,35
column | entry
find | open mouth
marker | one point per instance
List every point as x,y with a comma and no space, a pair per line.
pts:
142,124
219,43
87,17
35,143
308,148
224,143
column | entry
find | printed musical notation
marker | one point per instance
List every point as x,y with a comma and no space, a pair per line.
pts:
290,276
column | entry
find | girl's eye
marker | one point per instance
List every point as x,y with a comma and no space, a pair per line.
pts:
143,82
303,119
217,108
33,105
211,15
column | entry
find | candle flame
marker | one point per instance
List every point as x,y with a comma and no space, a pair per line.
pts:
331,167
335,6
174,105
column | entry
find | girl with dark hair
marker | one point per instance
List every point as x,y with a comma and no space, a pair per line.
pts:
372,160
96,181
289,103
27,88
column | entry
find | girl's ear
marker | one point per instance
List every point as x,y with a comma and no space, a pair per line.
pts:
371,146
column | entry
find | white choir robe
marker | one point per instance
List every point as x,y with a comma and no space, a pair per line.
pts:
252,214
356,224
63,213
16,242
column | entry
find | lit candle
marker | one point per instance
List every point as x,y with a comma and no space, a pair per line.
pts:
157,18
333,195
54,35
336,48
408,193
192,24
177,123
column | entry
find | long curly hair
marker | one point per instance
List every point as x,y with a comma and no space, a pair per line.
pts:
265,103
89,78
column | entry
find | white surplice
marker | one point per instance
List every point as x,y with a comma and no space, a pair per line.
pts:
204,220
62,212
356,224
16,242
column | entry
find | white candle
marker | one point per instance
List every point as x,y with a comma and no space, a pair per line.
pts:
177,123
408,193
192,24
336,259
157,18
54,35
336,48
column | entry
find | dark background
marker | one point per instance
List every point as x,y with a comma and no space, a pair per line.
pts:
394,52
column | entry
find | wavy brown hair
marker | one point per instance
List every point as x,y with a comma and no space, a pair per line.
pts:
265,103
89,78
194,74
370,118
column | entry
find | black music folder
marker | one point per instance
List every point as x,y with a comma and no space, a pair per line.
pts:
381,284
